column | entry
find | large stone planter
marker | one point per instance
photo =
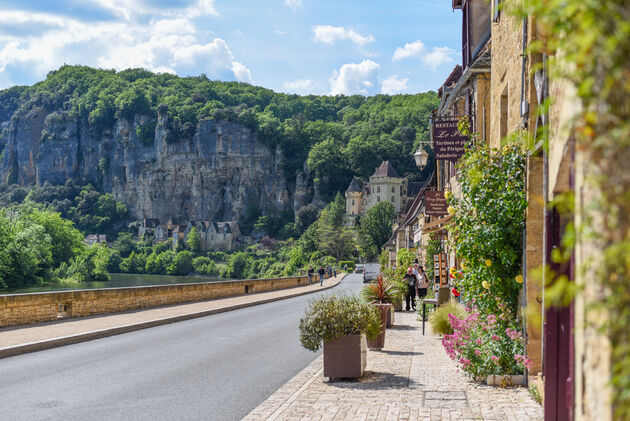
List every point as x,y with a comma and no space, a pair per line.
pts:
379,342
508,380
345,357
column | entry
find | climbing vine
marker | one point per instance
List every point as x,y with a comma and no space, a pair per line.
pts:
589,45
489,219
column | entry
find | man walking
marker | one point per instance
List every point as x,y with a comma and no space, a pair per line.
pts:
311,273
321,273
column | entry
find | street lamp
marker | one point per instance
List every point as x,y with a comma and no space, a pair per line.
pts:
421,156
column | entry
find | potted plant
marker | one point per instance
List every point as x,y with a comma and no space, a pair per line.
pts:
381,295
343,324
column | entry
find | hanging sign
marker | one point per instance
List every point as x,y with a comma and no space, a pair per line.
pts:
435,203
448,143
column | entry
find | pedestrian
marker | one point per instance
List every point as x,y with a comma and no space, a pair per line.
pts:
311,272
321,273
329,270
412,283
423,283
335,272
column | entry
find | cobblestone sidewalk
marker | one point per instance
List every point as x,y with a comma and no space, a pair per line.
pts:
410,379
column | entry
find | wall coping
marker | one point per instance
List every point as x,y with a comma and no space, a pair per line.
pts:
184,284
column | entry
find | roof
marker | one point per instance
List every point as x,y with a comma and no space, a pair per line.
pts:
385,170
354,186
413,187
451,80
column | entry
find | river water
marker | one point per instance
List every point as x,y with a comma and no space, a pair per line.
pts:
118,280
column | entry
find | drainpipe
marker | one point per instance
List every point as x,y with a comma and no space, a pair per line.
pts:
524,104
545,209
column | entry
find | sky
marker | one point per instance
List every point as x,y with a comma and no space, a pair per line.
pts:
322,47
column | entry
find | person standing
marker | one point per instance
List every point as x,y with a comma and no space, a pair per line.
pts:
412,283
311,273
423,283
321,273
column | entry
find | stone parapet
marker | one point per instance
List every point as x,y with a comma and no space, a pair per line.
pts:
21,309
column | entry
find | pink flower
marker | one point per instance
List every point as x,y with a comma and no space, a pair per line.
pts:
495,359
477,352
495,338
478,341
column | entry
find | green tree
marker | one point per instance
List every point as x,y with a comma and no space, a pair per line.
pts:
182,264
376,225
193,240
237,266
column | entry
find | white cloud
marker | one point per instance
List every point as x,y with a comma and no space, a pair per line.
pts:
439,56
279,32
413,49
169,42
241,72
330,34
300,86
392,85
353,78
293,4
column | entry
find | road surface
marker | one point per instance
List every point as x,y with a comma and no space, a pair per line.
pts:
217,367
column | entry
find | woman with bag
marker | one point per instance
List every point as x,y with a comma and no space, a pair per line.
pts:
423,283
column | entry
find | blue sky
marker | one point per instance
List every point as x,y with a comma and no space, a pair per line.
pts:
295,46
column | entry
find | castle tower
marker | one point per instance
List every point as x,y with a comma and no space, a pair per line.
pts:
353,198
386,184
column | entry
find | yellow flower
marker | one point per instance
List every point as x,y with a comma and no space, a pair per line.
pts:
451,210
447,194
485,284
519,279
463,265
488,262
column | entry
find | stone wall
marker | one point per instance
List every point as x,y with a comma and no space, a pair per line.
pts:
20,309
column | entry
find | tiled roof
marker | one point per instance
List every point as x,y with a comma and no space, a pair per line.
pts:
354,186
385,170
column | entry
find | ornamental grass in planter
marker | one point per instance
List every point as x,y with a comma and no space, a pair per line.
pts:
342,324
381,293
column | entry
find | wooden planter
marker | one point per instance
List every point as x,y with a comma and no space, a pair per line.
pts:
379,342
345,357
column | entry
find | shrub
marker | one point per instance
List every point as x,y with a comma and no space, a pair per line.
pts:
348,264
381,291
484,345
330,317
440,318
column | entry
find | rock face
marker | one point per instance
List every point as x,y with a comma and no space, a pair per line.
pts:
215,175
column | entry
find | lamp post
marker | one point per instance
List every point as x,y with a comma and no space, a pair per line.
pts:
421,156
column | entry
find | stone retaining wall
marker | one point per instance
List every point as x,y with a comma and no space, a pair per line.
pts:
20,309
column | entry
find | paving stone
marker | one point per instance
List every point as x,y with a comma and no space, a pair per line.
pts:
410,379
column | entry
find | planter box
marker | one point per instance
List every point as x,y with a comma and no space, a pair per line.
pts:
379,342
498,380
345,357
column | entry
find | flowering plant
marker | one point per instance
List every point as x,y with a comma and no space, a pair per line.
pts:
484,345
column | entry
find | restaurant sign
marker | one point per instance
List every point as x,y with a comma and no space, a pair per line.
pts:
448,143
435,203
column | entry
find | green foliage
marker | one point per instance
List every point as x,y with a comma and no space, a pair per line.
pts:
593,41
434,247
347,265
237,265
146,133
193,240
489,221
182,264
439,319
330,317
376,225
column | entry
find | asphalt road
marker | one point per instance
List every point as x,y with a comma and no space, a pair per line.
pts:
218,367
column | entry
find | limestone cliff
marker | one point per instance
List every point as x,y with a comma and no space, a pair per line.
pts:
215,175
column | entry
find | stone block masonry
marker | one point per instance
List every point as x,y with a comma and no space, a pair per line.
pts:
21,309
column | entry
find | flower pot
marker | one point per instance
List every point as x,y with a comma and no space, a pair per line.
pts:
505,380
379,342
345,357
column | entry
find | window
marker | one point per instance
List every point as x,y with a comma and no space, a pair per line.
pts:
393,199
393,189
378,198
378,189
503,128
352,202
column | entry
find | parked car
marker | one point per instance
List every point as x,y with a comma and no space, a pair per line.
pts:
358,270
370,273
